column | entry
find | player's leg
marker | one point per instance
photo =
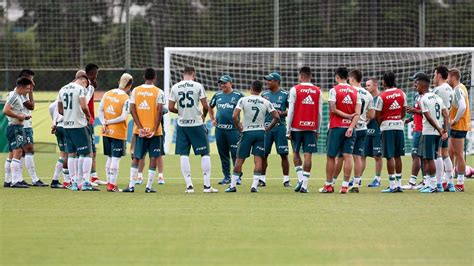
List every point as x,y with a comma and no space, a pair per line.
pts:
399,152
62,160
8,170
457,140
243,152
429,145
15,137
388,151
268,142
334,146
154,151
258,151
296,143
448,164
118,148
200,143
71,158
281,143
309,147
359,149
223,148
183,147
29,159
84,151
160,164
347,154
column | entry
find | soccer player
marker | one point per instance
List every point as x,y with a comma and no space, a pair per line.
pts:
435,125
304,123
344,108
279,100
191,131
366,113
227,135
16,116
444,165
460,116
113,114
61,165
417,118
146,107
92,71
72,105
390,111
253,129
373,142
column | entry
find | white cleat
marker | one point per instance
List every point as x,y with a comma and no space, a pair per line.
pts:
210,190
161,181
409,186
190,190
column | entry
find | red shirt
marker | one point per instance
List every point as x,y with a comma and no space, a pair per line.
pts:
90,104
345,98
306,107
417,118
391,104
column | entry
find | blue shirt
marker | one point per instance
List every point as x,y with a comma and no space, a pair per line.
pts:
279,100
225,104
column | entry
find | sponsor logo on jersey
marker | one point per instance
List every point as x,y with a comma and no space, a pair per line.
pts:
394,106
68,123
346,121
307,123
308,90
145,93
110,110
225,106
186,84
144,105
394,95
187,121
255,101
308,100
112,99
347,100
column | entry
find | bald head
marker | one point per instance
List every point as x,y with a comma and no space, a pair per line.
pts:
81,78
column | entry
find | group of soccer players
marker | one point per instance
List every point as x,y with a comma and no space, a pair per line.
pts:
364,122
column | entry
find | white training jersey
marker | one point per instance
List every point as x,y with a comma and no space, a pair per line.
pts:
16,101
56,117
366,104
27,123
432,104
255,108
446,93
187,94
73,116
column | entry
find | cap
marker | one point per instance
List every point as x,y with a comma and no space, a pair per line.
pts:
415,76
273,76
225,79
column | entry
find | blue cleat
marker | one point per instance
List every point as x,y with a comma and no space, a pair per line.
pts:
298,186
428,190
139,181
239,181
351,183
304,190
231,189
374,183
439,187
224,181
389,190
74,187
450,188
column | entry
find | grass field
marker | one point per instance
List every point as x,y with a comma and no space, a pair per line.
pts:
42,226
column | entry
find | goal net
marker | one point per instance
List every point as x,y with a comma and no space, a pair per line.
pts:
248,64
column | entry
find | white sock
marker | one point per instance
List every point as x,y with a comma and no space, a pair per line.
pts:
133,173
263,178
256,178
138,175
58,168
22,163
72,167
398,177
356,181
15,170
86,168
377,177
439,168
30,166
299,173
460,178
345,183
114,169
286,178
151,175
412,180
160,175
66,176
392,181
233,180
186,170
448,169
206,170
107,169
305,179
8,171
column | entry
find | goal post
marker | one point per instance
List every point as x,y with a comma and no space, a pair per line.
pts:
248,64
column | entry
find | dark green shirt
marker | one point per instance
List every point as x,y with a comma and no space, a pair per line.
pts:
225,104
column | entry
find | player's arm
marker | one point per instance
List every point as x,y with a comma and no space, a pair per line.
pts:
236,115
275,120
101,112
8,111
122,117
84,107
355,118
291,111
446,123
461,106
172,102
378,110
212,104
206,109
332,106
30,103
136,120
320,115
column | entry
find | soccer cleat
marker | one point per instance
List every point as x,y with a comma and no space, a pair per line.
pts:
287,183
209,190
445,186
459,188
74,187
450,188
409,186
113,188
7,184
150,190
239,181
326,189
39,183
190,190
23,182
298,186
139,181
224,181
389,190
161,181
56,184
374,183
351,183
420,185
86,186
343,190
254,190
231,189
428,190
304,190
398,189
261,183
439,187
66,185
97,181
129,190
19,185
354,190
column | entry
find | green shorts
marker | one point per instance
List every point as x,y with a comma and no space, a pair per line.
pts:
152,146
373,146
254,141
429,145
192,136
78,141
457,134
28,135
359,144
92,136
61,138
337,143
15,137
393,143
114,147
415,150
305,139
276,135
